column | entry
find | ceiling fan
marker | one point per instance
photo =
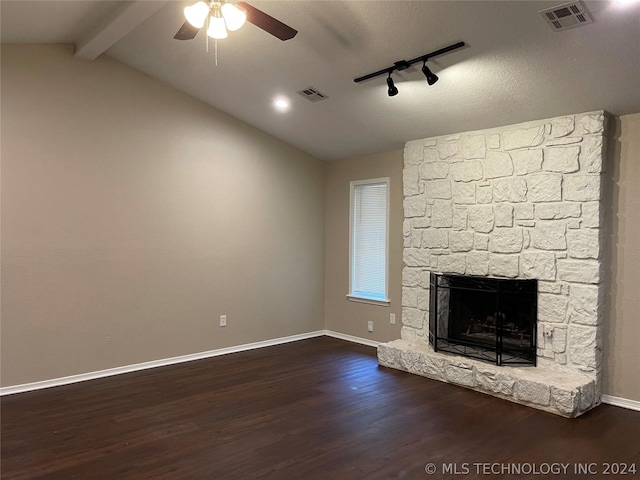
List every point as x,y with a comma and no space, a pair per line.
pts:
220,16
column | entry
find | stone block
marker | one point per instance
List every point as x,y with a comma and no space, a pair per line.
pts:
421,222
430,155
579,271
562,126
592,154
415,257
441,214
413,152
538,265
435,238
411,276
549,236
484,194
461,241
527,161
460,374
493,141
591,214
523,138
587,123
410,360
504,266
459,221
410,297
447,150
473,147
452,263
387,356
582,188
494,382
565,401
423,299
561,159
433,367
503,215
437,189
545,188
466,171
406,227
556,211
552,308
434,171
497,164
510,190
412,317
481,218
414,206
464,193
549,286
559,340
410,181
506,241
477,263
588,396
585,304
480,241
584,243
584,346
532,392
523,211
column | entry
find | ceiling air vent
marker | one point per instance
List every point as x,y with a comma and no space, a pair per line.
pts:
568,15
312,94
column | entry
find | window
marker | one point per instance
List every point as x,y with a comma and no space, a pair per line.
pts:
368,250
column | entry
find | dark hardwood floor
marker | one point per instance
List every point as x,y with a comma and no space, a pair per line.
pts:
313,409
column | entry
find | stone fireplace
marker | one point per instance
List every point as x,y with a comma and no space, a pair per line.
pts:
522,203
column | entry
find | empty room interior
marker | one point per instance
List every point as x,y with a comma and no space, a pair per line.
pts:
324,239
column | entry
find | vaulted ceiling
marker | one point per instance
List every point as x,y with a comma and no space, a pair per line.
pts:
513,69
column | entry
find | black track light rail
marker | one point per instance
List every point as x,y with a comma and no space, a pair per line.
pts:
404,64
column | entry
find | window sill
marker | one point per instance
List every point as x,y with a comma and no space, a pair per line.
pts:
370,301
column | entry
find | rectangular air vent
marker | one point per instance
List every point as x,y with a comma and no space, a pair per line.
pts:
312,94
568,15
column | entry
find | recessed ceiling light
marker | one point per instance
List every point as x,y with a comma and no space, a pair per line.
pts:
281,103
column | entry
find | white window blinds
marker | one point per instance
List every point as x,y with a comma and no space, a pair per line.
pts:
369,225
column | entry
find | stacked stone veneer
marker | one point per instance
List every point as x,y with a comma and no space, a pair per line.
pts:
514,202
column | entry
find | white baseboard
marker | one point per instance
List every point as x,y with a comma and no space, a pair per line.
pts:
351,338
621,402
55,382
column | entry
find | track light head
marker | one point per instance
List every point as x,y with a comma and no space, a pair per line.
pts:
431,77
393,90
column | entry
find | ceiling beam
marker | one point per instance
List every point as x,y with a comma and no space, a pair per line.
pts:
109,30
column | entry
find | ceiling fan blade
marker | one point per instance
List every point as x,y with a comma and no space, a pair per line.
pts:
268,23
186,32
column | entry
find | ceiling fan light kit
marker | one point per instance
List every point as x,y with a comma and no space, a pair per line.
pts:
222,16
404,64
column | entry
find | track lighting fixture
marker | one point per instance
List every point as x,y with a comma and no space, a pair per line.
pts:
404,64
393,90
431,77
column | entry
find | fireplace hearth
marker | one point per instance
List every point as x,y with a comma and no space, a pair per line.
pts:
484,318
487,212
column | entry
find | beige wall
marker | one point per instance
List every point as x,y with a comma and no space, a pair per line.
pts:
622,342
342,315
134,215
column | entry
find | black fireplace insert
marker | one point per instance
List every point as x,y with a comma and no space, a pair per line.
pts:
484,318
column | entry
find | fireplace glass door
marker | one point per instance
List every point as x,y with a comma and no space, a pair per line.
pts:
484,318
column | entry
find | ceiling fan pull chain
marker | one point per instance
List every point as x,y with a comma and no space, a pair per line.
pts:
216,50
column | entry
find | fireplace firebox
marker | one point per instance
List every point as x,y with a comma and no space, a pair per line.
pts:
484,318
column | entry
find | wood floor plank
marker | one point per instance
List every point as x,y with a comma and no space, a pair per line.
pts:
313,409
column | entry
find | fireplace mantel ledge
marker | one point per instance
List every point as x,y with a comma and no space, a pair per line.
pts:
557,391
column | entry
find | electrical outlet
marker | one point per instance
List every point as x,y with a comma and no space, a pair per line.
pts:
223,320
370,326
392,318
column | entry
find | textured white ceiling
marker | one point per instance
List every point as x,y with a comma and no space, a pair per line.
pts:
515,68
